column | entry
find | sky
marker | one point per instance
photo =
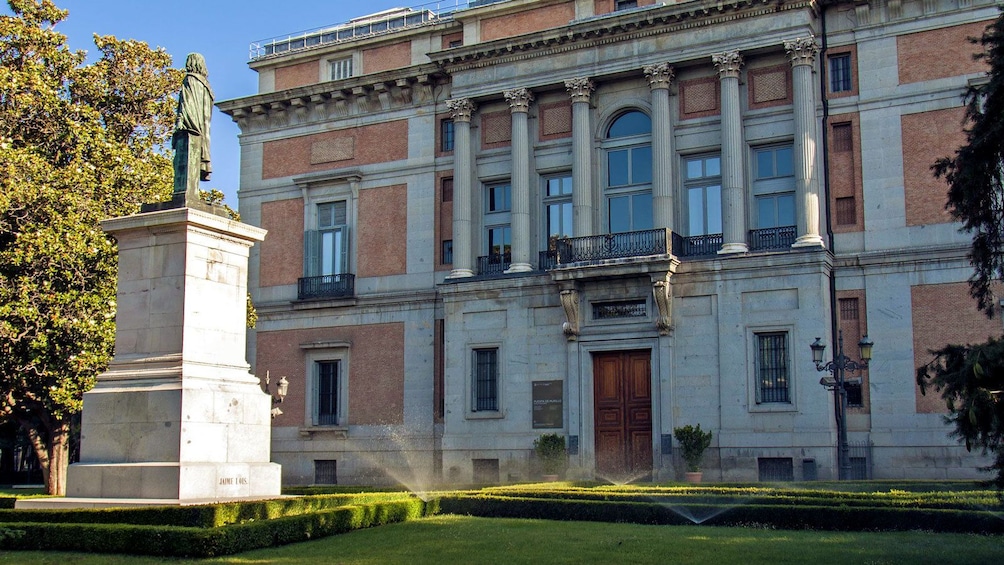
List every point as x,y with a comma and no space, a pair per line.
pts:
221,30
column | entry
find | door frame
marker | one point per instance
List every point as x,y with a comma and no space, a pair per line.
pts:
581,394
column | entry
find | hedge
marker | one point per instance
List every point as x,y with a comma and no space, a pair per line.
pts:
207,542
818,517
200,516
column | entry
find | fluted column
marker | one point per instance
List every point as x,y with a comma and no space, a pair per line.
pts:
733,181
659,79
461,110
519,104
802,52
582,161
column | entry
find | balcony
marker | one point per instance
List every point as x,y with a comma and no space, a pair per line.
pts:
772,239
494,264
342,285
612,246
697,245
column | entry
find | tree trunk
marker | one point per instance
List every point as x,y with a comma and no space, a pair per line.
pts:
53,452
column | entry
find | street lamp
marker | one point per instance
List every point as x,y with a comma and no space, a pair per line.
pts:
840,364
281,390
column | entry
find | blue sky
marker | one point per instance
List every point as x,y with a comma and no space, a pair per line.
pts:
219,29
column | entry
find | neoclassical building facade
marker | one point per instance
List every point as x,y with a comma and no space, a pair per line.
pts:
606,220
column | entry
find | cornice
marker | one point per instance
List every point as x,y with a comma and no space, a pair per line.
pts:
603,30
378,92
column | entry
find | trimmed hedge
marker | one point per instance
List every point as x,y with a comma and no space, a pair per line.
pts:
200,516
7,501
208,542
818,517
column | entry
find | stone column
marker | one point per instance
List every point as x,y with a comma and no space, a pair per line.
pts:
519,104
582,163
733,181
461,110
659,79
802,52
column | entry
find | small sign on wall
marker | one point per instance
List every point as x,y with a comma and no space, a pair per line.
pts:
548,407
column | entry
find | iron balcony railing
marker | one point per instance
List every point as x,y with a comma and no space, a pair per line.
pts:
379,23
326,286
494,264
772,238
697,245
613,246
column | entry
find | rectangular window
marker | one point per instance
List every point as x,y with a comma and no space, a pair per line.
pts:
498,198
327,392
625,4
846,211
341,69
325,472
772,367
855,397
703,180
326,250
498,233
558,207
840,72
446,135
848,309
774,187
484,385
447,252
447,192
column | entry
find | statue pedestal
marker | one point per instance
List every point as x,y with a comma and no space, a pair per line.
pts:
177,417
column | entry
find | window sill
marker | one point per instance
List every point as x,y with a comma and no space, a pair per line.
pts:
486,415
774,407
330,432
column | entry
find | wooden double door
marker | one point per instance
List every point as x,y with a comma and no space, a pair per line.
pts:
622,396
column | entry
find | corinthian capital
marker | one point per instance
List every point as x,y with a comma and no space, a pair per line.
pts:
659,76
461,109
802,50
727,63
580,89
519,99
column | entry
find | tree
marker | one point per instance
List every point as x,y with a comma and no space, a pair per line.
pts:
975,174
78,144
970,378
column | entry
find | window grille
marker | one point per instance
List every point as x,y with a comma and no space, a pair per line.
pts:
447,193
773,469
848,308
855,394
327,393
485,387
772,367
325,472
846,211
620,309
843,140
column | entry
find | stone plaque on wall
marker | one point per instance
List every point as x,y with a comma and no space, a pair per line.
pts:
547,404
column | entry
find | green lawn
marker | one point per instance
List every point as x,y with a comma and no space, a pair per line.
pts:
447,540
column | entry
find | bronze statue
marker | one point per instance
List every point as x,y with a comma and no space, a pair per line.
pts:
191,130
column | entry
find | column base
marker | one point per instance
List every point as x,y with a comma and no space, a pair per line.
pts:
519,268
730,248
812,240
460,273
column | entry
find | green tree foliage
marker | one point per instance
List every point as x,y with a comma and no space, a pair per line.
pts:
975,175
78,144
971,380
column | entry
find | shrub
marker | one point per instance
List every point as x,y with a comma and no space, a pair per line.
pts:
693,442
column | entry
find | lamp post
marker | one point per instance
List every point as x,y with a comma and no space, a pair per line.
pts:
837,383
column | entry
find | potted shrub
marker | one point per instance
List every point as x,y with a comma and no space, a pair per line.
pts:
693,442
550,450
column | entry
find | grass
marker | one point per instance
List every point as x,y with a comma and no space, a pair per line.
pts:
462,539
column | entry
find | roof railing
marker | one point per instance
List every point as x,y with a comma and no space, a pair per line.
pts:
387,21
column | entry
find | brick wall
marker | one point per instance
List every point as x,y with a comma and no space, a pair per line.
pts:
282,251
444,219
496,129
528,21
376,370
928,136
382,231
700,97
943,314
386,57
449,38
769,86
363,145
939,53
300,74
845,171
555,119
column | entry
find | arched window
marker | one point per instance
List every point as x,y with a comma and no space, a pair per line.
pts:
628,148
